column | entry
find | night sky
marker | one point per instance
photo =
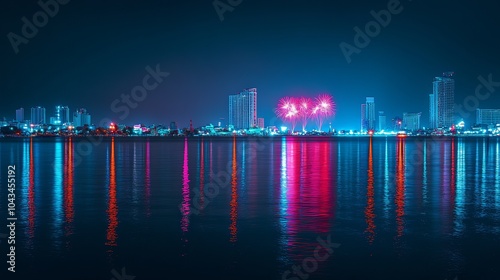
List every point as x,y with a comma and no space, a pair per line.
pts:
91,52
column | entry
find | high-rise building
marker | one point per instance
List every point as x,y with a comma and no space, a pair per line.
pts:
442,101
38,115
61,116
488,116
20,115
382,121
364,123
411,121
243,109
81,117
370,113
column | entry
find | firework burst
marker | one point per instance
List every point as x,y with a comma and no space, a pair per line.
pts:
324,108
293,109
305,107
287,110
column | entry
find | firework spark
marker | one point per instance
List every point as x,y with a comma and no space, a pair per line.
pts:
325,107
305,107
287,110
291,109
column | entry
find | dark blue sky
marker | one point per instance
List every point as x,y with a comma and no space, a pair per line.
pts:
90,53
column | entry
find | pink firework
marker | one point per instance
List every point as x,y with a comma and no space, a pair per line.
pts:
305,107
324,107
287,110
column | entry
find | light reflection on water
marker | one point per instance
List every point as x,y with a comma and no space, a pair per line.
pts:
112,211
387,201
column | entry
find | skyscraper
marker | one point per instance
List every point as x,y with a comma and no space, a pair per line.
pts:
432,110
81,118
20,115
364,123
243,109
382,121
442,101
61,115
370,113
38,115
411,121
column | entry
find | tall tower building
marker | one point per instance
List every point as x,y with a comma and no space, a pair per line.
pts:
370,113
81,118
382,121
38,115
243,109
20,115
432,111
61,115
442,101
364,122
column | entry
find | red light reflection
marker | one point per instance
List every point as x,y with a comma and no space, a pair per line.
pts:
370,204
400,186
202,174
185,190
111,235
68,187
147,180
234,197
31,194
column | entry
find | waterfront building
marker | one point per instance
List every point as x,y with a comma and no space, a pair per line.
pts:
38,115
488,116
442,102
243,109
20,115
382,121
411,121
81,117
61,115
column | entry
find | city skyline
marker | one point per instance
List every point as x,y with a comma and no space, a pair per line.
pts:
238,139
442,99
87,68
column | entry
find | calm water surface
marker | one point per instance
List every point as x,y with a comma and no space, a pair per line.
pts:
224,208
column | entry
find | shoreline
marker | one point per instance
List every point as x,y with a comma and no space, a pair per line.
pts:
254,136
